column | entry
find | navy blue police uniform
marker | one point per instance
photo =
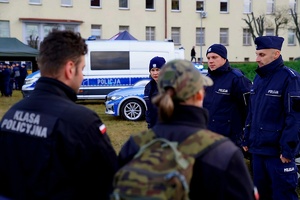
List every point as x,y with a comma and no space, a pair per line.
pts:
272,127
151,112
226,101
273,124
53,148
151,90
186,120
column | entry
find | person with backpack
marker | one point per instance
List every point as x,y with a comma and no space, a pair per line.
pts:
217,169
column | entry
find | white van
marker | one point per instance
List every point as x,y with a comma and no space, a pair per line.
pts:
114,64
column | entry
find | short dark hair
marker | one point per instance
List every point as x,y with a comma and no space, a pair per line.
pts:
58,48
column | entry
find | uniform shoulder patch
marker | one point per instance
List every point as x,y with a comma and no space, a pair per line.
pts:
290,71
237,72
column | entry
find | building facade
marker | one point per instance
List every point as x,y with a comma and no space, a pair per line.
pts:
188,23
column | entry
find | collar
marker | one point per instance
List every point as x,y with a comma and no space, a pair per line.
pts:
270,68
190,115
56,87
221,70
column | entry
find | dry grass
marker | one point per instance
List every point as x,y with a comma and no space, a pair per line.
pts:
118,130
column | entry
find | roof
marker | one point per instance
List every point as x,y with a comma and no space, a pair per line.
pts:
125,35
12,47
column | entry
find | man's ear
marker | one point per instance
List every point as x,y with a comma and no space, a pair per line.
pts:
277,54
69,70
200,95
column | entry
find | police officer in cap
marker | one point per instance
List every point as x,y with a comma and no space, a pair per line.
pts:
273,122
227,99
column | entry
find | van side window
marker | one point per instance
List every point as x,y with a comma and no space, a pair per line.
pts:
109,60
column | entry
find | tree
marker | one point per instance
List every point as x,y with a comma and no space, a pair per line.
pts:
297,28
278,20
256,25
33,42
281,19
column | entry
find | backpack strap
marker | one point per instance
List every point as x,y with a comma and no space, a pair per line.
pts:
144,137
194,145
200,142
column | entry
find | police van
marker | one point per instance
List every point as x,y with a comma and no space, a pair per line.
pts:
115,64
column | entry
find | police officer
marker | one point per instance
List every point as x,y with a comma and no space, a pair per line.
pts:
273,122
151,89
221,172
51,147
226,100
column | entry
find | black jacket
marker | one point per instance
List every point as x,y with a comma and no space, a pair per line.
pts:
273,121
151,112
227,102
53,148
219,174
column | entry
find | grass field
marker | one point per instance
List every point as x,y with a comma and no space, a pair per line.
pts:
119,130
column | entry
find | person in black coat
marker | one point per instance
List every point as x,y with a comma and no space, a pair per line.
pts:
193,54
227,100
23,74
221,173
150,91
272,132
51,147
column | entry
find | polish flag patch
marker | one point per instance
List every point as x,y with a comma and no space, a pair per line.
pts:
102,129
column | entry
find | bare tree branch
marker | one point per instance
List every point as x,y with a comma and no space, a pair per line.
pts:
296,23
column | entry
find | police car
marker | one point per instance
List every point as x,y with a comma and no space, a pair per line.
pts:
128,103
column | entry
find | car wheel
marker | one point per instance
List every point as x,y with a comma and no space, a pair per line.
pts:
133,110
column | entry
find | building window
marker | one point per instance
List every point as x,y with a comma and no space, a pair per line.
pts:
224,36
123,28
35,1
246,37
247,6
293,6
66,3
47,28
96,3
200,5
175,5
123,4
38,31
150,33
4,29
223,5
269,32
270,6
200,36
175,34
150,4
291,37
96,31
32,33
